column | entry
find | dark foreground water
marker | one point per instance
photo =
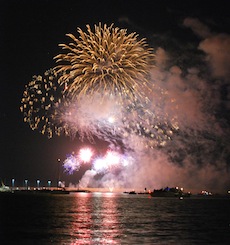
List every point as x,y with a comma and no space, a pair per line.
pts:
100,218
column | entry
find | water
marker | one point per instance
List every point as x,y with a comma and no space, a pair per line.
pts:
103,218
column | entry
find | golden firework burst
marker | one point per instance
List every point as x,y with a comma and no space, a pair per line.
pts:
41,102
106,60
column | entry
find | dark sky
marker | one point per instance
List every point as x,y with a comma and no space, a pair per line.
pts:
30,34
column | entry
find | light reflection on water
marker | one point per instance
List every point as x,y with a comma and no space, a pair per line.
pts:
95,219
107,218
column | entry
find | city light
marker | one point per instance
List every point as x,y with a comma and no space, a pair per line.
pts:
38,184
13,182
49,183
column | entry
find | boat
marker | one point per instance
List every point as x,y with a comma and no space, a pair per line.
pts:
170,192
130,192
145,192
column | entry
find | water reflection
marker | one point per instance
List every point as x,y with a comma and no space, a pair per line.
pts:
109,220
82,219
95,219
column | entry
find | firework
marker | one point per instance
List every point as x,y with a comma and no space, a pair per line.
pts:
71,164
106,60
116,122
46,107
100,88
93,117
85,154
111,161
100,165
42,98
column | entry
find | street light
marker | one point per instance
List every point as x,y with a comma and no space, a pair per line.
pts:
38,183
13,181
59,183
49,183
26,183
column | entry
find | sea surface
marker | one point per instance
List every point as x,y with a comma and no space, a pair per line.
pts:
112,218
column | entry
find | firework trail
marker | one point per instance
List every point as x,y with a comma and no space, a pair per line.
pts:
106,60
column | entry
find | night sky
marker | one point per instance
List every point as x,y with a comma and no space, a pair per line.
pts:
192,44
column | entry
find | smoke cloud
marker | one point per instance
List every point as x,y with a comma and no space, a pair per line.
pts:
196,97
